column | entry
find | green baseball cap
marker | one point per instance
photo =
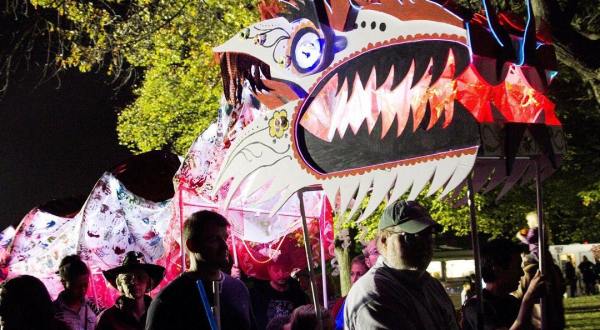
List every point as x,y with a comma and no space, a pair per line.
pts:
409,215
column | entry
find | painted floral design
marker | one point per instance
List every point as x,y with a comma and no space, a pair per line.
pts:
278,124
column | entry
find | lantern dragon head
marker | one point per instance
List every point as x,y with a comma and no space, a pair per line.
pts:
380,97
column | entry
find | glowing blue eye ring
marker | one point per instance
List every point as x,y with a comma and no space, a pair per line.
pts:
307,50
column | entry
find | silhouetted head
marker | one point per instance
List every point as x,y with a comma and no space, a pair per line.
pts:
25,304
501,264
205,235
74,276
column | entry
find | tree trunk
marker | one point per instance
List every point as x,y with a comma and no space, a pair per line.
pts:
343,257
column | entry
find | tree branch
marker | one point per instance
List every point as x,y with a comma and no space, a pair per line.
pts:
572,48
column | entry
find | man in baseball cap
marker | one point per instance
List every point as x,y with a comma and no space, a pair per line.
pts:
398,292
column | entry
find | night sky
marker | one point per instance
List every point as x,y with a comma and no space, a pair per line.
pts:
55,143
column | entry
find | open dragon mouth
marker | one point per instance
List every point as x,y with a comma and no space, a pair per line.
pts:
386,106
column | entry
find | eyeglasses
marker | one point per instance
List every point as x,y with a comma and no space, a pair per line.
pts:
409,238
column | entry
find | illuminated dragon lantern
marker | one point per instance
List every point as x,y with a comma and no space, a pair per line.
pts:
385,98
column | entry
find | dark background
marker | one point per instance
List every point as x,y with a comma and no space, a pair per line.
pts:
56,139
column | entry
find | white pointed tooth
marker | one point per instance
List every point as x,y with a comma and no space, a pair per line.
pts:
460,202
276,187
372,101
321,111
481,174
497,177
382,183
444,170
418,96
402,96
456,193
365,185
233,187
355,114
519,168
284,197
267,175
422,177
331,188
339,121
464,167
317,119
254,182
386,104
348,187
404,179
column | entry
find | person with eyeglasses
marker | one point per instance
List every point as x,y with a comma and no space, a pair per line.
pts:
398,292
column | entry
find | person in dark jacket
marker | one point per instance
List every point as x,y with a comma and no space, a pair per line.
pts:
571,277
586,268
203,297
134,279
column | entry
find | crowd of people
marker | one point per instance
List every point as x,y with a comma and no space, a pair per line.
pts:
391,288
588,276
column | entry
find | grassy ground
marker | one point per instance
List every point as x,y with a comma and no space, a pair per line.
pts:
583,312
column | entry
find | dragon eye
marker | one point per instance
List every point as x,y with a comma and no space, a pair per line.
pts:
307,50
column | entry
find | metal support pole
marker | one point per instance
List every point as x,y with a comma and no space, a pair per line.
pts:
216,287
323,264
234,248
181,242
309,259
476,250
541,237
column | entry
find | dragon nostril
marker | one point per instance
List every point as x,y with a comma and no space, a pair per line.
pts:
373,25
363,24
382,27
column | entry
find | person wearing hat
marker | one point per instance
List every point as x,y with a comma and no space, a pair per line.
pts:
134,279
397,292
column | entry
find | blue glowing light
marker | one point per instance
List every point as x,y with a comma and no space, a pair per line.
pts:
489,21
524,41
551,74
469,41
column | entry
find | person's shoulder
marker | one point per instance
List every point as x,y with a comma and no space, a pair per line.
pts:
57,324
514,300
111,310
107,315
364,287
179,285
258,286
235,284
469,309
